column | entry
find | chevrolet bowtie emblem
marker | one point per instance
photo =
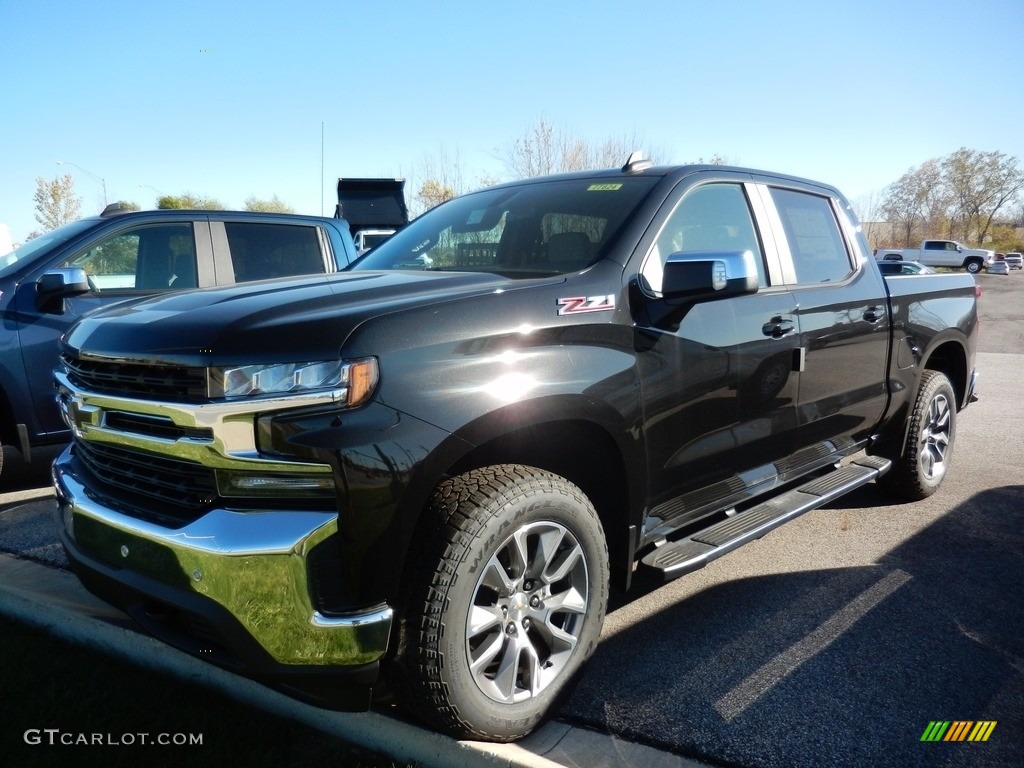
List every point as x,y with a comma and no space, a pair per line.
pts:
76,414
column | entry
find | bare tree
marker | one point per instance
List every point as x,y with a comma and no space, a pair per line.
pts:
545,149
869,211
443,177
56,203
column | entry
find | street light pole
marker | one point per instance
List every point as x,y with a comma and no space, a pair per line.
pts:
90,173
150,186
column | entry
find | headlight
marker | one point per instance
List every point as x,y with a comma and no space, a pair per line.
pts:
353,379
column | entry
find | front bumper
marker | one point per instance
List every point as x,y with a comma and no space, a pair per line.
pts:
231,587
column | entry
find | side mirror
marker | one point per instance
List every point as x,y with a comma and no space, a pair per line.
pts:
959,249
708,275
58,284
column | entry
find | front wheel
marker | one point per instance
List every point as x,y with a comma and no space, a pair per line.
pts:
925,460
973,266
505,604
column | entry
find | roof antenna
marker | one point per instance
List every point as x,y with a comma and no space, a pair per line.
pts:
636,162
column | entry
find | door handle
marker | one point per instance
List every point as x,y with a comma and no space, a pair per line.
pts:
874,314
776,328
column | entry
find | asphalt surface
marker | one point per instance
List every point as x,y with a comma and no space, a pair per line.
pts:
834,640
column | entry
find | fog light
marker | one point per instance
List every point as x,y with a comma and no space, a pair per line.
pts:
251,484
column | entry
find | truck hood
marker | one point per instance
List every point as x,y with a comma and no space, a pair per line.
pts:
301,319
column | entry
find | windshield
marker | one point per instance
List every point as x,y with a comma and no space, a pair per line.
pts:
531,230
10,262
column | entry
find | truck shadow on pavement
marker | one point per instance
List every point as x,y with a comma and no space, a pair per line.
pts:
843,667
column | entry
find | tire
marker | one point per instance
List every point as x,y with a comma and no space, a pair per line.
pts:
919,472
973,266
504,603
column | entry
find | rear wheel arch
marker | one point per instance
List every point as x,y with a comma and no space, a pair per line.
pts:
950,358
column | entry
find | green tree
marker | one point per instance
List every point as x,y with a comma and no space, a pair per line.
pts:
273,205
433,192
980,184
189,201
55,201
916,205
957,196
1005,239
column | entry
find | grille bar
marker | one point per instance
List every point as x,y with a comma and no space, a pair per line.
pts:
146,382
165,488
154,426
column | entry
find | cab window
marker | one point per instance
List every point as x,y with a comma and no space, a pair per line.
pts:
149,258
815,240
261,251
711,217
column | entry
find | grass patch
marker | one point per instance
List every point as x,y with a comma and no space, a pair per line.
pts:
104,705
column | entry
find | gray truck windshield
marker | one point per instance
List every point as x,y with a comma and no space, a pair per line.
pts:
12,261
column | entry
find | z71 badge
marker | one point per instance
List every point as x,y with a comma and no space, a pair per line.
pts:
578,304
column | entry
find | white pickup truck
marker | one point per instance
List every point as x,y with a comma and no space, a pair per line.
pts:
941,253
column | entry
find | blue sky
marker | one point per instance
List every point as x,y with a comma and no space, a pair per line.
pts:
231,99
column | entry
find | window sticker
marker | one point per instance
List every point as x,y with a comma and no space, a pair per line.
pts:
603,187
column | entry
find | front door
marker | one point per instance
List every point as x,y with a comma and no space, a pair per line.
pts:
718,387
132,262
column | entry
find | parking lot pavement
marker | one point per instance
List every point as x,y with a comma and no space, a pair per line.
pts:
52,599
836,639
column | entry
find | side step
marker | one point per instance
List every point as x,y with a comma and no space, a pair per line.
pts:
694,552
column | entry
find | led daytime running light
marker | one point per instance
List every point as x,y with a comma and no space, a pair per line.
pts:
355,380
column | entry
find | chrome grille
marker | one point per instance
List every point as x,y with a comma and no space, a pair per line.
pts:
147,485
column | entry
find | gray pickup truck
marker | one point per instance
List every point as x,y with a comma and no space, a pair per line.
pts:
122,255
431,469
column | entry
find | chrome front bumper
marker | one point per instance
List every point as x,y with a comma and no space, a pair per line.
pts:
251,565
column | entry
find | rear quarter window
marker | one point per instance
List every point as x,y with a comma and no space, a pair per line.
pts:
815,239
261,251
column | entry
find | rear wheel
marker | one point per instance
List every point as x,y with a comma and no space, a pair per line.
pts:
925,460
505,604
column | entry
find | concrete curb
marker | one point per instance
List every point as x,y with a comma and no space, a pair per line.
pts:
54,600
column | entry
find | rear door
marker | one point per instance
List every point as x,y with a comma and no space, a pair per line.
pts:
717,387
843,320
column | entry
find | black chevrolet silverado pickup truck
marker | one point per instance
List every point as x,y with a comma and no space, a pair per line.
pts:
431,469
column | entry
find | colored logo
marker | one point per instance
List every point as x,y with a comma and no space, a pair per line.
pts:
958,730
579,304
